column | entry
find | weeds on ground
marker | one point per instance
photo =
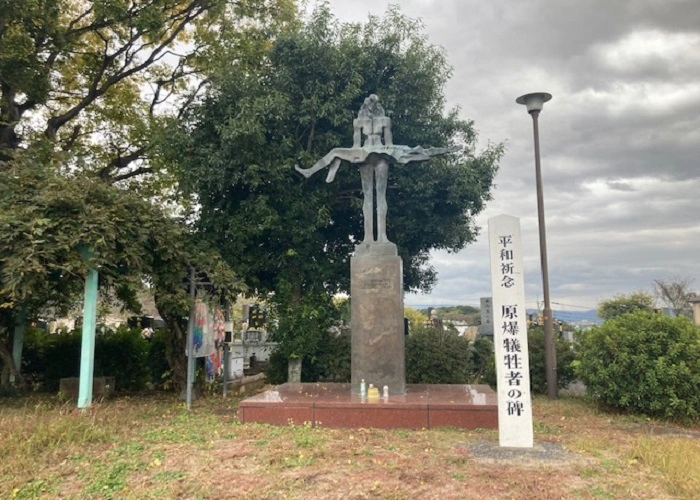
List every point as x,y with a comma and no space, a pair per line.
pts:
678,459
144,447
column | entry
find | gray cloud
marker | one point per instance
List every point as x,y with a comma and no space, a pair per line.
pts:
620,140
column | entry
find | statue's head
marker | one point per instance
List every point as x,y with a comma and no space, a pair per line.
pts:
371,107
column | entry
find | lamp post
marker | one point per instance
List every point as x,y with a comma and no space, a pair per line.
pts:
534,103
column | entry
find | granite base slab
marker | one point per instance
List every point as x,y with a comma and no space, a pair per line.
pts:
333,405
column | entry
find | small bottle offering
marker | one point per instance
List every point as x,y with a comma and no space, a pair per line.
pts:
363,389
386,392
372,392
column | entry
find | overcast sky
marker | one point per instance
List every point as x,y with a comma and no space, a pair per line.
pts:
620,140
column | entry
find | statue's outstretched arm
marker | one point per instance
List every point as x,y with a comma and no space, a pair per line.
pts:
421,154
441,151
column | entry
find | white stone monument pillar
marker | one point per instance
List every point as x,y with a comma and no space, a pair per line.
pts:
510,333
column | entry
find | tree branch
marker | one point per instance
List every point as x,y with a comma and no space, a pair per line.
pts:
120,162
180,20
133,173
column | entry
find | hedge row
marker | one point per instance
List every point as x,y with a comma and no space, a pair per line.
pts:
122,353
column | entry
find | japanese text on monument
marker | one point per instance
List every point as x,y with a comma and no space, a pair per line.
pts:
510,332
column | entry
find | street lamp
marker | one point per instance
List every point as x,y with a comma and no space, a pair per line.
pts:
534,103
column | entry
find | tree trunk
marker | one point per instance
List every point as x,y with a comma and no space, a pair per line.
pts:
9,368
175,346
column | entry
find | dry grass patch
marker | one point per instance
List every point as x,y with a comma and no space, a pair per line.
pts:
151,447
678,459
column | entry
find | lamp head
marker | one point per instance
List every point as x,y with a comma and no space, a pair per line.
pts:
534,101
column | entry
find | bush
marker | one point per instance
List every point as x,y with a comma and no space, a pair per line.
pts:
485,365
330,362
122,353
437,358
644,363
158,366
333,358
484,371
47,358
538,372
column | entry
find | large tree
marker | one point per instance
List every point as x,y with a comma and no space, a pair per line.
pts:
624,304
48,220
675,294
293,237
85,86
235,153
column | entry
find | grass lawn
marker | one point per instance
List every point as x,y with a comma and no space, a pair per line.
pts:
149,446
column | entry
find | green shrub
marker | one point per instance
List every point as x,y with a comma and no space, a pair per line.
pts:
644,363
122,353
565,361
333,358
276,372
330,361
158,366
485,365
52,357
437,358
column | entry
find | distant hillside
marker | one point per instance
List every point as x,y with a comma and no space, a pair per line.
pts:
573,316
472,315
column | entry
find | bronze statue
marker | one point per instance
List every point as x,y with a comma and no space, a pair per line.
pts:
373,157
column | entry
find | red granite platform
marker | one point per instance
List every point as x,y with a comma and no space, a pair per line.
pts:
332,405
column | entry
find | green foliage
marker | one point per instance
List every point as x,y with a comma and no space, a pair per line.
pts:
623,304
48,220
49,358
485,364
330,362
333,358
538,372
644,363
122,353
77,137
300,325
276,372
416,319
235,152
432,358
72,72
157,362
469,314
305,327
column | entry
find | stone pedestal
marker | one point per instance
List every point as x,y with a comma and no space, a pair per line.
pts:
376,290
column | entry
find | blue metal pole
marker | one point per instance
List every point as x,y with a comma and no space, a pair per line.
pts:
190,341
87,350
18,342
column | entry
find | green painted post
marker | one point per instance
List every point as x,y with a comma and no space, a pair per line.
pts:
18,343
87,350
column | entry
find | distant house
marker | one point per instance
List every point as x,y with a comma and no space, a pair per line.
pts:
463,329
695,302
